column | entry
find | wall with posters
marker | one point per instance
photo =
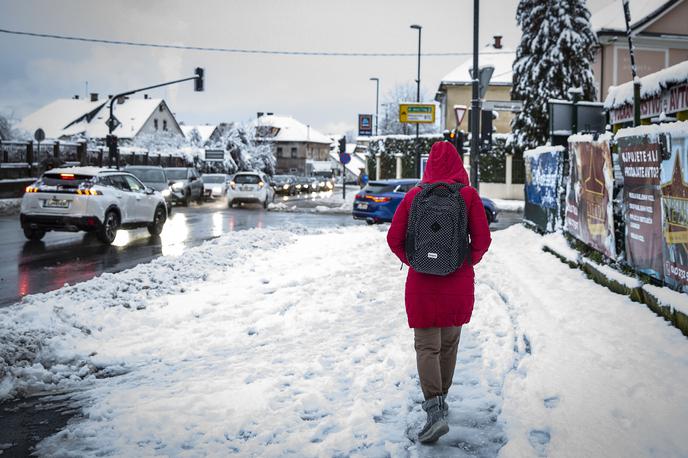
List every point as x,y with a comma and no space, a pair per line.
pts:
544,173
589,190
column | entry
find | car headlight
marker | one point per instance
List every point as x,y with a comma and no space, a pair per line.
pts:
232,185
178,186
285,187
165,192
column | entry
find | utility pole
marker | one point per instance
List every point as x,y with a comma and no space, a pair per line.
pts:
475,103
634,71
377,101
419,28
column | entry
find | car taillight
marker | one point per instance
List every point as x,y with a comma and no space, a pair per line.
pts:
358,196
379,200
31,189
67,176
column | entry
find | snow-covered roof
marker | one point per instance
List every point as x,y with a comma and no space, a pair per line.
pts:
205,131
611,17
650,85
502,59
66,117
354,165
291,130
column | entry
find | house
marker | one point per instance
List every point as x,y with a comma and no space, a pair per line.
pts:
207,133
66,118
660,39
456,87
297,147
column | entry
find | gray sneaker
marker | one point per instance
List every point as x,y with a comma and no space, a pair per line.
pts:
436,425
445,406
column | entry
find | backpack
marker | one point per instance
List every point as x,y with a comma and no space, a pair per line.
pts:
437,232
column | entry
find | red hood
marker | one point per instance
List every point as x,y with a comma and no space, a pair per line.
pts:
445,164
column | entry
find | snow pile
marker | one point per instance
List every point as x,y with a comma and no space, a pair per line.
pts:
678,129
9,206
557,243
330,202
666,296
650,85
536,152
298,345
613,274
509,205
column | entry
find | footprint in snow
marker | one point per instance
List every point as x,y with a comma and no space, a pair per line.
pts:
552,402
539,439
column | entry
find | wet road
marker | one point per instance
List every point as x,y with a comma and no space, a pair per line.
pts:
30,267
62,257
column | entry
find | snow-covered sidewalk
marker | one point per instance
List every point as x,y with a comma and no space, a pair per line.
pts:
292,342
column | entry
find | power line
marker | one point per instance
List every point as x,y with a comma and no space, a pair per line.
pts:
238,50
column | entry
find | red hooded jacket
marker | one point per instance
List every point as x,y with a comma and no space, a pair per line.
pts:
432,300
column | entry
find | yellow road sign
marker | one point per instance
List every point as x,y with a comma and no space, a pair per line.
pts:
415,113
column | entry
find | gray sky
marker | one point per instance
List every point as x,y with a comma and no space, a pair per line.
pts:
325,92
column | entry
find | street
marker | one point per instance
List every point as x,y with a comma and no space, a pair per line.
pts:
62,257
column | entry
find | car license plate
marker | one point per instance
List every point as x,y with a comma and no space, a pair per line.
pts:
362,206
56,203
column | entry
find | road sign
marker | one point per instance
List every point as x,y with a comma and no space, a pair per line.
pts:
417,113
113,123
503,105
365,125
344,158
460,112
39,135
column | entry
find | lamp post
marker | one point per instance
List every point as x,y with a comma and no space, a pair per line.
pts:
377,101
419,28
475,103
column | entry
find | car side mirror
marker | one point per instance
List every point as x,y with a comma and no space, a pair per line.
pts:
149,191
192,178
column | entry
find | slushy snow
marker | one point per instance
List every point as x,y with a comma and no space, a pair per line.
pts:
295,342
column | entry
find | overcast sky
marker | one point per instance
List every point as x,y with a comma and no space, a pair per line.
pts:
325,92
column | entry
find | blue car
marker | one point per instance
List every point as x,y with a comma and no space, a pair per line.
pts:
377,202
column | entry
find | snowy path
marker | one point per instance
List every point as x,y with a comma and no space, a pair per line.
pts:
298,345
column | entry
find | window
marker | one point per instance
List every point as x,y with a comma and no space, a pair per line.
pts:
293,153
164,124
119,182
279,151
134,184
247,179
155,124
160,108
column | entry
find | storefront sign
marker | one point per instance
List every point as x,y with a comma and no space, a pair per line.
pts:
670,101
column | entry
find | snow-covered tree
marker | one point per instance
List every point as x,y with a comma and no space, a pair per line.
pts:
389,111
8,129
160,141
195,138
556,54
245,151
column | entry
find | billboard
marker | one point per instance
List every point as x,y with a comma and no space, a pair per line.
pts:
639,159
365,125
544,167
589,190
674,189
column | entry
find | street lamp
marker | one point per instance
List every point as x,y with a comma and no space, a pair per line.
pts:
419,28
377,101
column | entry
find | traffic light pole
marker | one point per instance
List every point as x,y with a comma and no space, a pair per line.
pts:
113,151
475,103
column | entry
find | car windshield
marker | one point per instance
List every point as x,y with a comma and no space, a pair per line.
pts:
374,187
247,179
176,174
281,179
64,180
213,178
148,175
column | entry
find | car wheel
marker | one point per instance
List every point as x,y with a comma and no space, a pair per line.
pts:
370,222
265,202
200,196
159,219
230,203
187,199
108,231
34,234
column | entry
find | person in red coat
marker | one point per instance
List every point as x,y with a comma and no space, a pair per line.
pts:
437,306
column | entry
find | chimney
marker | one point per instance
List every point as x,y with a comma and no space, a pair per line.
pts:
76,97
497,42
145,96
269,113
94,96
260,114
109,96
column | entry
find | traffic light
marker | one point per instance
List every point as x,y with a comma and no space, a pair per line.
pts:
459,140
487,116
199,82
342,145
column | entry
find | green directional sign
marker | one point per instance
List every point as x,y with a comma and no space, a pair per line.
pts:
415,113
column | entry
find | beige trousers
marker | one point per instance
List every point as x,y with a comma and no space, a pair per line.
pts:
436,350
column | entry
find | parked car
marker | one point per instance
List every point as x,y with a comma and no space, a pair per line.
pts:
185,185
284,185
154,177
377,202
215,185
90,199
303,184
250,187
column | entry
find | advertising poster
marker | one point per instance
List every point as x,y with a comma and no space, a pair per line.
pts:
639,159
589,213
674,188
543,178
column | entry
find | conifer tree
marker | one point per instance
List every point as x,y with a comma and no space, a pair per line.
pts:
556,54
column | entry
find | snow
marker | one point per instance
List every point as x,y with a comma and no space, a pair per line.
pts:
501,59
611,17
291,130
613,274
678,128
509,205
55,116
330,202
204,130
355,164
590,138
9,206
650,85
674,299
542,149
295,342
556,242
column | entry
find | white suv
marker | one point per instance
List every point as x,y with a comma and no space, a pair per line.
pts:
90,199
250,187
